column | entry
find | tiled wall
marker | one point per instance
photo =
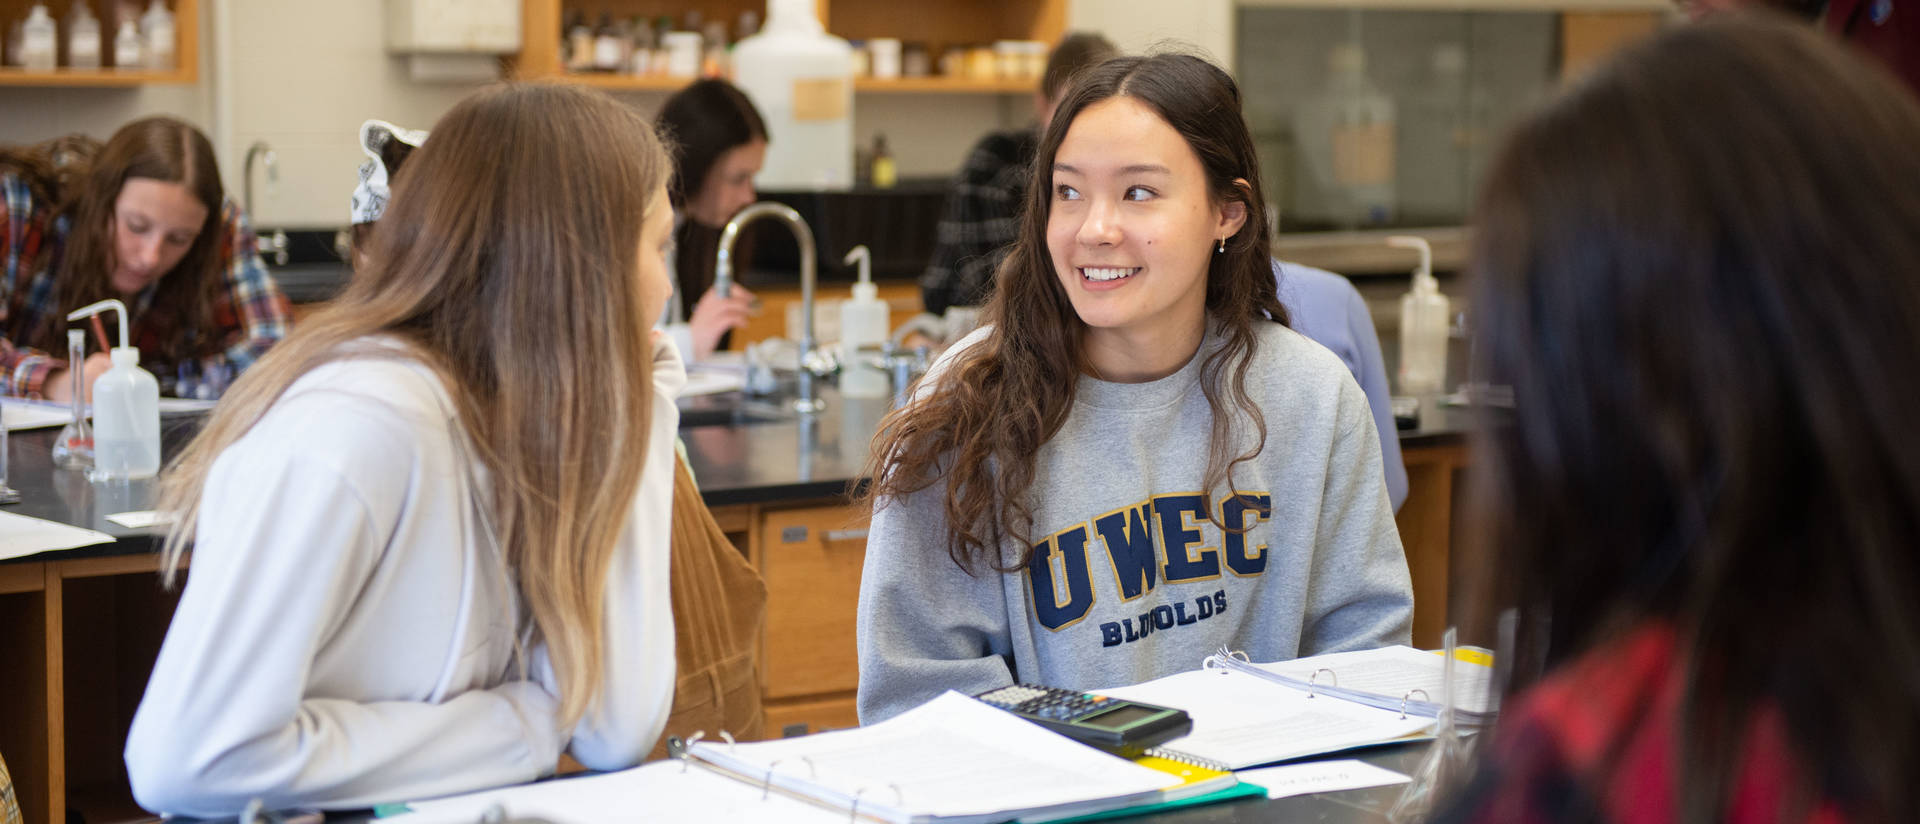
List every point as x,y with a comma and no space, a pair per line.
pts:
1449,109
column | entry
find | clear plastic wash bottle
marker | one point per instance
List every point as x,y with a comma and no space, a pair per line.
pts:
126,409
1423,326
863,328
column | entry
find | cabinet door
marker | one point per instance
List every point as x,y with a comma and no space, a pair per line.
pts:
811,561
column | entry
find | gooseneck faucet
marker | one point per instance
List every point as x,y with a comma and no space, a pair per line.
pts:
723,282
276,243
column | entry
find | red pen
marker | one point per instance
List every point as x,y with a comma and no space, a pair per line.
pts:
100,334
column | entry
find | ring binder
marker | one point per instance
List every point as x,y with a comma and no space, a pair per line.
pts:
853,812
677,748
1332,676
766,784
1409,694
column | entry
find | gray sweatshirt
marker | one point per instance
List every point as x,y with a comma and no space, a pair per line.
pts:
1130,580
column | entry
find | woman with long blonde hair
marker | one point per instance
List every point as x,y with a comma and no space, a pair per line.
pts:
430,529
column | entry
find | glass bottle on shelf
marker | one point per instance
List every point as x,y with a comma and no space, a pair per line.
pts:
608,45
713,61
885,172
83,38
579,43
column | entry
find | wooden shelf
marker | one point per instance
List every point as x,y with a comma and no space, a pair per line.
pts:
99,78
626,82
862,85
946,85
186,51
938,24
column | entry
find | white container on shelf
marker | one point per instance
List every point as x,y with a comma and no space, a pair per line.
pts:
801,80
683,52
129,51
39,40
886,57
83,38
156,27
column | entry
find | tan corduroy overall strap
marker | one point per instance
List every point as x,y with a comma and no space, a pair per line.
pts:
719,609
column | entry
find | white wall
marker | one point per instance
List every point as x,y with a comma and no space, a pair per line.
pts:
1138,25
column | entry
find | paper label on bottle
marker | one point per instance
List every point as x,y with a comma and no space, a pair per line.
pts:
820,98
1363,154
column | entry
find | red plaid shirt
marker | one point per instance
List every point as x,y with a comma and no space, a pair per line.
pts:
250,312
1621,702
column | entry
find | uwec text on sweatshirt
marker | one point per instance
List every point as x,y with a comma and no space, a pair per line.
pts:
1130,579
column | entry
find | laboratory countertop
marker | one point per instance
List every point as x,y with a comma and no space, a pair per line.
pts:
741,451
744,451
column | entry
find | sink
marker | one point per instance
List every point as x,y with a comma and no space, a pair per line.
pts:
746,414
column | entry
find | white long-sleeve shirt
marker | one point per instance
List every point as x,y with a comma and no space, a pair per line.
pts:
347,634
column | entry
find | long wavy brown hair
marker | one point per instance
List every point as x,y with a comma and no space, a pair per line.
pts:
507,262
980,428
1700,272
82,180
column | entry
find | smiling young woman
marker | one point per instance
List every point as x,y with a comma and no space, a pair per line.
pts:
145,219
1137,461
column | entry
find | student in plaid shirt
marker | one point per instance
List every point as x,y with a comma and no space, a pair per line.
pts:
982,212
145,219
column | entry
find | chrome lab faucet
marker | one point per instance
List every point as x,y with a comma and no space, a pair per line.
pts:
276,243
723,282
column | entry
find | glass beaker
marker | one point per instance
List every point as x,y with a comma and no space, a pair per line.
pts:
73,449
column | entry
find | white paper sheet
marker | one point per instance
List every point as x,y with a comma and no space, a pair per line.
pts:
1320,777
20,413
24,414
21,536
1394,671
712,382
141,519
659,792
1241,720
935,760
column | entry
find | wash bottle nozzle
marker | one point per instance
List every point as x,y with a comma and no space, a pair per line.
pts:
92,309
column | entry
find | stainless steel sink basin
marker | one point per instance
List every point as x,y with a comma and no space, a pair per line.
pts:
739,414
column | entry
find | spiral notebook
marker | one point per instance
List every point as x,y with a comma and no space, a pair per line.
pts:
1241,720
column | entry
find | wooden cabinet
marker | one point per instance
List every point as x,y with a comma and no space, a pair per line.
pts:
810,558
939,24
186,50
80,636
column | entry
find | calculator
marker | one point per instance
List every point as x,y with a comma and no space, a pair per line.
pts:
1125,728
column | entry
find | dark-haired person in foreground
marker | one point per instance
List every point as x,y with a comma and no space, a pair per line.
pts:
1700,272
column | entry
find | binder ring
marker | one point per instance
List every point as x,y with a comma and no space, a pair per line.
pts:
766,784
1333,678
1403,700
729,737
683,749
1223,659
854,811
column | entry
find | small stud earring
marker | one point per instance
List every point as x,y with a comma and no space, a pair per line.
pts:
1223,246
